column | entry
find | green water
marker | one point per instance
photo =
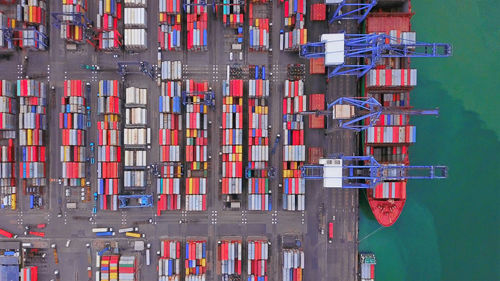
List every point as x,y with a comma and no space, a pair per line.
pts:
450,229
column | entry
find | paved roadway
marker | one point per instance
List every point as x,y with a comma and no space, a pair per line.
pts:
336,261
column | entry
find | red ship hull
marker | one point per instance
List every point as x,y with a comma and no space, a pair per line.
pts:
386,211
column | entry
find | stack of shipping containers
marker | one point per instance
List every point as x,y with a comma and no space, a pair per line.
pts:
32,19
29,273
258,256
109,144
5,23
70,31
109,268
259,193
196,145
8,127
293,265
196,260
134,175
72,123
32,125
259,25
259,34
168,185
169,262
295,33
229,262
127,268
232,138
390,83
316,103
197,25
232,13
135,21
107,24
294,153
169,30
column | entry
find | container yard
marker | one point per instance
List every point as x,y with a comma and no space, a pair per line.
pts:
232,139
109,145
294,150
174,140
73,125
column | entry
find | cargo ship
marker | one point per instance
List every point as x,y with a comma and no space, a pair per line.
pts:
390,83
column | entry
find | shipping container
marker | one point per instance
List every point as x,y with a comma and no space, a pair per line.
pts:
318,12
316,102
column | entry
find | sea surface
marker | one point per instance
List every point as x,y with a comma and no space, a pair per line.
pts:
450,229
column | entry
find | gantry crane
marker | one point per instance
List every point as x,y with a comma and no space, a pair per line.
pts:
135,201
144,67
215,4
360,113
358,11
366,172
39,37
338,47
208,97
78,19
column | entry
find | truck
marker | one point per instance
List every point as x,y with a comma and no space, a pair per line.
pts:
148,254
330,232
128,229
6,233
101,229
106,233
35,233
135,235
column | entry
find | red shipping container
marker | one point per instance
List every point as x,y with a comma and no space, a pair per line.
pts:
318,12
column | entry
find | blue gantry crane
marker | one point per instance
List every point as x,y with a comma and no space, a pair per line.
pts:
351,11
144,67
338,47
135,201
38,37
78,19
366,172
360,113
208,97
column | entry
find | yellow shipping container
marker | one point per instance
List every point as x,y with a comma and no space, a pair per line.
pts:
133,234
107,6
29,137
13,204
